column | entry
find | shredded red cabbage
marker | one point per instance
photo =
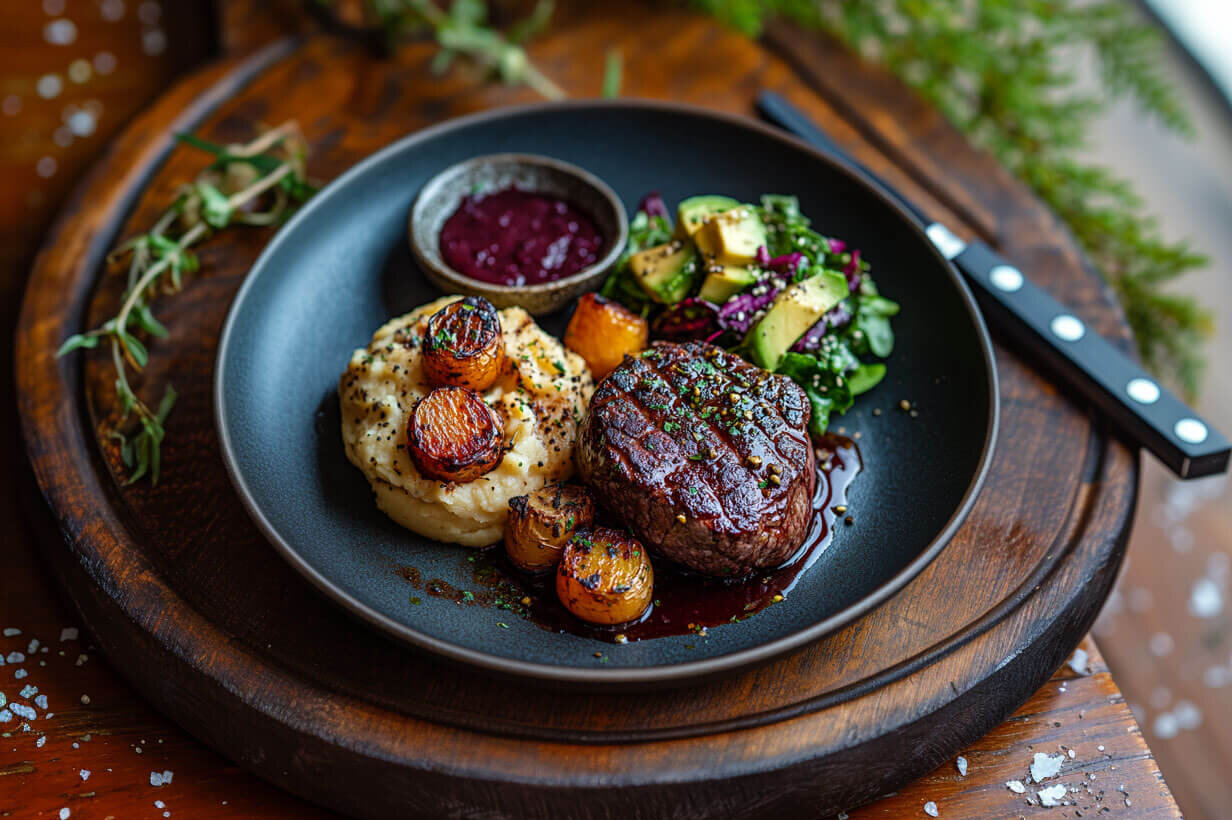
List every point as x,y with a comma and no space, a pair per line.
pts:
739,312
652,205
687,320
787,264
852,271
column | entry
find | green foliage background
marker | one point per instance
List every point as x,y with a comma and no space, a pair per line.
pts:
1005,72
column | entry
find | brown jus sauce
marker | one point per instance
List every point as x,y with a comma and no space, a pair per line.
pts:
684,602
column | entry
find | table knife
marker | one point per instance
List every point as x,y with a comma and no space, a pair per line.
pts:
1139,407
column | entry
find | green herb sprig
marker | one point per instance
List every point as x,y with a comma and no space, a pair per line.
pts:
463,30
258,183
1005,72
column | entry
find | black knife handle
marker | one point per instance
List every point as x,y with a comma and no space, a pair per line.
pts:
1049,334
1053,336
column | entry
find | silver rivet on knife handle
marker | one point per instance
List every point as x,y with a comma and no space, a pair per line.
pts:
945,240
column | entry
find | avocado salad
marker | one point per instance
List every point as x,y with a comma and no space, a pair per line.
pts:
758,280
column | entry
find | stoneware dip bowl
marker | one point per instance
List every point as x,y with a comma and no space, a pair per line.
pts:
441,196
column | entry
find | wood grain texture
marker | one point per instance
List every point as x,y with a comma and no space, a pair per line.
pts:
184,596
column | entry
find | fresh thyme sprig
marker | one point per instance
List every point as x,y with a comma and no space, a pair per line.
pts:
464,31
258,183
1005,72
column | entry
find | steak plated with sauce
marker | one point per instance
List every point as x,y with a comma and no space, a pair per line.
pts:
705,456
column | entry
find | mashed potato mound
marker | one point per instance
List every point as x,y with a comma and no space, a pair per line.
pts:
541,399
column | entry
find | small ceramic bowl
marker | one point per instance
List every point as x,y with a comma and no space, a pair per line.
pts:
442,195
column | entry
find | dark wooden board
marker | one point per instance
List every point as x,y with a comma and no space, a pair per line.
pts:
186,598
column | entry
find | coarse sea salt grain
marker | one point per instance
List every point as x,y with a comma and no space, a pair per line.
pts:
39,743
33,647
41,702
20,673
1016,786
11,631
68,633
1051,796
28,691
1078,662
5,715
930,808
23,711
1045,766
961,763
158,804
85,774
15,657
65,814
156,779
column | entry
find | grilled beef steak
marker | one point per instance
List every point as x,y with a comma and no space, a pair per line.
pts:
705,456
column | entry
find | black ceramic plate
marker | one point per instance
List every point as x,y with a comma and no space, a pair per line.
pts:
341,267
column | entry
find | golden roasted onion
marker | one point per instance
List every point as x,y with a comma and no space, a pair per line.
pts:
463,345
605,577
452,435
602,332
540,523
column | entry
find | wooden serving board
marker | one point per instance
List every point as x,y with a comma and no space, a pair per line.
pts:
215,629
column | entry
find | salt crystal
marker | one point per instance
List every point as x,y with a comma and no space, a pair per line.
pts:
3,699
42,739
1099,748
1072,754
41,702
76,745
33,647
1187,715
167,775
65,814
1078,662
961,763
20,673
24,711
156,779
15,657
11,631
166,814
68,633
1166,726
28,691
1045,766
930,808
5,715
1051,796
1016,786
81,659
158,804
85,700
85,774
1161,644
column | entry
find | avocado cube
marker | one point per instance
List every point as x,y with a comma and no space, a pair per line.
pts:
722,282
692,211
732,237
666,272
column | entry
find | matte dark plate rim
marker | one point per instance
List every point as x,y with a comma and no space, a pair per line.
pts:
677,672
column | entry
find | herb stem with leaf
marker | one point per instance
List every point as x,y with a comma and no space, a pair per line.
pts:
257,183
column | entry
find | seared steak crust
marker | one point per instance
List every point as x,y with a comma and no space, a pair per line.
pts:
704,455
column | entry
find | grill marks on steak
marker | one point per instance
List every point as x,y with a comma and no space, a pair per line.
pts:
691,430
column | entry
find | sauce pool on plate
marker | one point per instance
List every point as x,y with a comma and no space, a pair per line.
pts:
516,237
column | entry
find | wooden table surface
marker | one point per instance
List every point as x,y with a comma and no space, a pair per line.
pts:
98,751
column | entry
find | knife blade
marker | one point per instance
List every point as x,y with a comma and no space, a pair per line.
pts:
1142,410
